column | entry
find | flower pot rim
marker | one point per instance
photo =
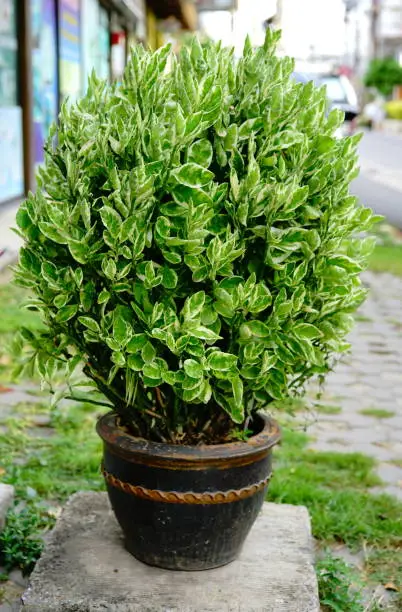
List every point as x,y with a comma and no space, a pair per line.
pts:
135,449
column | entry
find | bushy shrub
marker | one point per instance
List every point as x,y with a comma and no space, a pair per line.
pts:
193,241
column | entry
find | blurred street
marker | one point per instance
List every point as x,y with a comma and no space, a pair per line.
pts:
379,185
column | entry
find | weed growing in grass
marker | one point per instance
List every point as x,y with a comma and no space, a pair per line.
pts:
21,541
327,409
362,318
377,413
45,468
336,588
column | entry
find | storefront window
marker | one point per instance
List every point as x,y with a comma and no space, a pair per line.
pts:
8,54
44,71
11,167
95,39
70,49
104,42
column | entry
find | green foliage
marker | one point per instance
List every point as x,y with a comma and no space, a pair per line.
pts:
21,543
387,258
335,585
394,109
193,242
384,75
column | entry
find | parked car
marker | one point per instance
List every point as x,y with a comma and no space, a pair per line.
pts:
341,94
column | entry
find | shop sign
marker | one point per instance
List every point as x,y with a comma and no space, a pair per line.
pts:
44,71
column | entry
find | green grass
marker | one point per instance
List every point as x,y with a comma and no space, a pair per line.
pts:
362,318
327,409
45,471
57,466
332,485
385,567
290,406
296,405
387,259
12,316
378,413
335,585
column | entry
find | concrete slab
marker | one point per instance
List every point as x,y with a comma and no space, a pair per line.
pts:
6,499
85,568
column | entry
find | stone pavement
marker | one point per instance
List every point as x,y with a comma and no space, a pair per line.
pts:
369,379
382,174
393,126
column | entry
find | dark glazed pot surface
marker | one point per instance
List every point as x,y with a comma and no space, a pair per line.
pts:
186,507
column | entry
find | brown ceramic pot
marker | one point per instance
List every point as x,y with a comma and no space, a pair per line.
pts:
186,507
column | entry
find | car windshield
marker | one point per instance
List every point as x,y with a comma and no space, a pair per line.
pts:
335,89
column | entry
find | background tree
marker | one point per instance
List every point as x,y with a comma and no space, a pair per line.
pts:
384,75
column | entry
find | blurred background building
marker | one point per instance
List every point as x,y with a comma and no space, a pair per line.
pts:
49,47
321,33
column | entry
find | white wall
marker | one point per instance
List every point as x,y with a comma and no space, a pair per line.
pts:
313,27
232,30
390,23
358,36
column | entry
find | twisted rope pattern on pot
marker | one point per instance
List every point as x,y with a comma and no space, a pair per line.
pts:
190,497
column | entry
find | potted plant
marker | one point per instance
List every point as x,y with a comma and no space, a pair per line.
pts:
192,243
